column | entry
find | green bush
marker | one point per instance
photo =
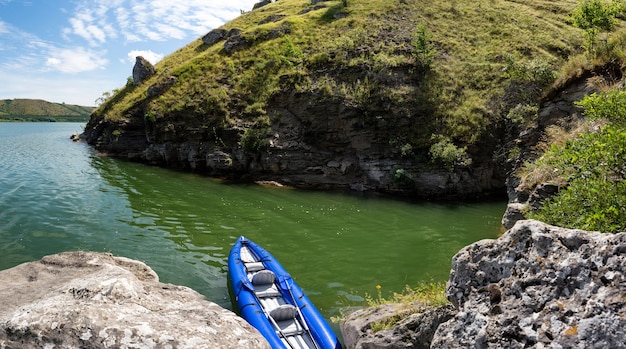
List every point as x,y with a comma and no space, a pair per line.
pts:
610,106
449,155
589,204
595,198
539,71
255,139
522,114
292,54
402,179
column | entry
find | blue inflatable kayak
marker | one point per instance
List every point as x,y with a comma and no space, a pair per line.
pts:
268,298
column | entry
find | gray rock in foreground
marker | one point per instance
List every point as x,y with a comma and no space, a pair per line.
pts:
538,286
95,300
415,330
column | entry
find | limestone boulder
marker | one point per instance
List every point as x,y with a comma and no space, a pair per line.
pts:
142,71
414,329
214,36
160,87
96,300
261,4
538,286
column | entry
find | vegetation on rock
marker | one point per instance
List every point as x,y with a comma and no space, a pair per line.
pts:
588,161
432,86
411,301
437,67
591,168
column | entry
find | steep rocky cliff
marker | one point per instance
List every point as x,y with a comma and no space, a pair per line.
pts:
558,109
382,96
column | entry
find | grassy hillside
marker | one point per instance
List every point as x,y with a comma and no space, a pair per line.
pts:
39,110
428,86
445,65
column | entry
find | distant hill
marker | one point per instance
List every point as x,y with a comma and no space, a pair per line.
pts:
40,110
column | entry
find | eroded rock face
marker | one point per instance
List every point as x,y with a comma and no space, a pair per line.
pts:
214,36
413,331
142,70
95,300
538,286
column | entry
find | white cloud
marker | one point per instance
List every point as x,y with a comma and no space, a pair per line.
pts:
91,22
75,60
33,67
149,55
12,38
96,21
4,28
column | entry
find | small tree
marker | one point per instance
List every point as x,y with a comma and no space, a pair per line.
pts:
105,96
423,49
594,16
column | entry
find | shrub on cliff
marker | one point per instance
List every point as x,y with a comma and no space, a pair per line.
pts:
592,168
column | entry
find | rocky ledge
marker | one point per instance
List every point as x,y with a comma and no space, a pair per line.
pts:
95,300
537,286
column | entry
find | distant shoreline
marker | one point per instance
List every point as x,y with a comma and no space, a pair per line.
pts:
43,119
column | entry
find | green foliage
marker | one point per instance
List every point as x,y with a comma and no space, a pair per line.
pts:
105,96
255,139
449,155
292,54
410,301
402,179
538,71
593,166
116,134
594,16
522,114
588,204
610,106
423,49
406,150
150,116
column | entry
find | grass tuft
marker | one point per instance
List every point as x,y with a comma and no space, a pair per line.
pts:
411,300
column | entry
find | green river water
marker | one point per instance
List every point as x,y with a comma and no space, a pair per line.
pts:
56,195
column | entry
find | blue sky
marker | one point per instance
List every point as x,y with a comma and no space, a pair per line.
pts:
72,51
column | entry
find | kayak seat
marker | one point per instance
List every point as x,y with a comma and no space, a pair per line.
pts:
254,266
263,277
284,312
267,291
290,328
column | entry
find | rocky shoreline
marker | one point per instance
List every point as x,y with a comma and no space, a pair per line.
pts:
537,286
